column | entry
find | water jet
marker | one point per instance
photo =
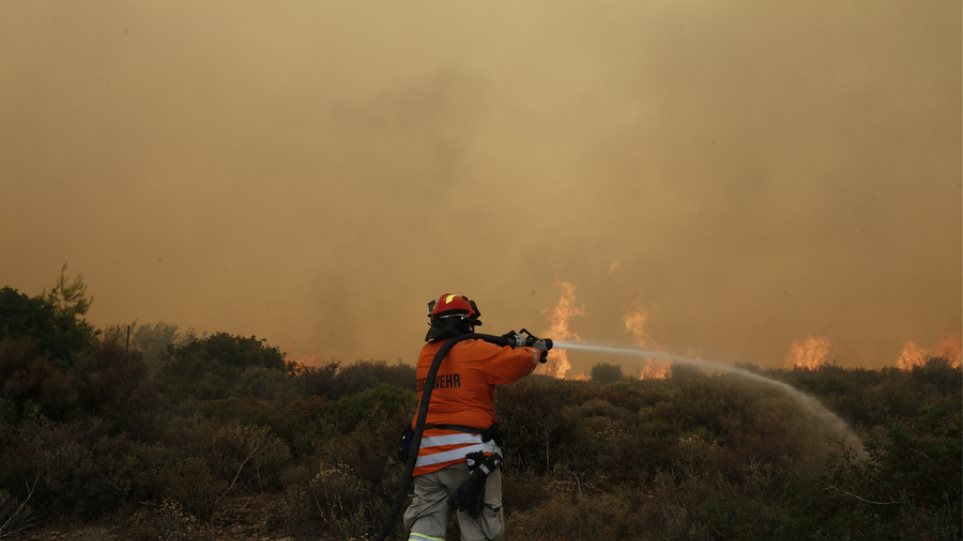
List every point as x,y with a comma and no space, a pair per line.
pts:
810,404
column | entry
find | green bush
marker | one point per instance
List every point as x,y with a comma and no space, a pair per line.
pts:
212,367
371,404
606,373
354,378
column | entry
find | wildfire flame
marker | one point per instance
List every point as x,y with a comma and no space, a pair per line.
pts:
304,360
656,370
635,319
558,317
809,354
913,355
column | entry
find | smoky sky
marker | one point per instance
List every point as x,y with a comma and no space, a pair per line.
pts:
749,173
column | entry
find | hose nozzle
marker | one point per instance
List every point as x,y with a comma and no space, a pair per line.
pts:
525,338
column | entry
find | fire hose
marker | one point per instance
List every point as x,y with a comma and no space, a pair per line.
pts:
523,338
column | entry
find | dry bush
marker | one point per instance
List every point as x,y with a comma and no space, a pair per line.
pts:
15,513
81,469
167,521
191,483
247,456
332,501
566,517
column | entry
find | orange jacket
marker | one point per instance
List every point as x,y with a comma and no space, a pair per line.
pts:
464,395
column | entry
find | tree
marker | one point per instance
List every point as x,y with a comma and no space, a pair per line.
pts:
69,296
54,319
210,368
22,316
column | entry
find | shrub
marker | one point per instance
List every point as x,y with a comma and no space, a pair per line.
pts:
317,380
371,404
267,384
111,383
191,483
32,383
606,373
357,377
15,513
567,517
209,368
165,521
79,469
248,456
331,500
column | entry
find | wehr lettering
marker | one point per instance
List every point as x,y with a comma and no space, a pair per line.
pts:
442,381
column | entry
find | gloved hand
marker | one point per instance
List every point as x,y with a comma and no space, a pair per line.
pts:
542,346
516,340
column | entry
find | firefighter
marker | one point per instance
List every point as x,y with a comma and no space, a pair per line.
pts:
459,456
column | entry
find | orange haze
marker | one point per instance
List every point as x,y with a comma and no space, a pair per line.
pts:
314,172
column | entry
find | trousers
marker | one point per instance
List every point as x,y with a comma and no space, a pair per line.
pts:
427,516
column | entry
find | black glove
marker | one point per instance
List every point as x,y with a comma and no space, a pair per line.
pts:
542,346
470,495
516,340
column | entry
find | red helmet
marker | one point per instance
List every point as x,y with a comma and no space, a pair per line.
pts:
451,305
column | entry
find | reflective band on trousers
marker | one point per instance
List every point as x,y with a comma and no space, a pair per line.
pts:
455,454
422,537
450,439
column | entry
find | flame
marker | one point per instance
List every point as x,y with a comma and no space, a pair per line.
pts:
304,360
635,319
809,354
950,349
582,377
913,355
656,370
558,317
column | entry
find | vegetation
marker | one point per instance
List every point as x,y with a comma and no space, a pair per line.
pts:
606,373
181,437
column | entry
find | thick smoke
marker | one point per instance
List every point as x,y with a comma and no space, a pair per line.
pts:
313,173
